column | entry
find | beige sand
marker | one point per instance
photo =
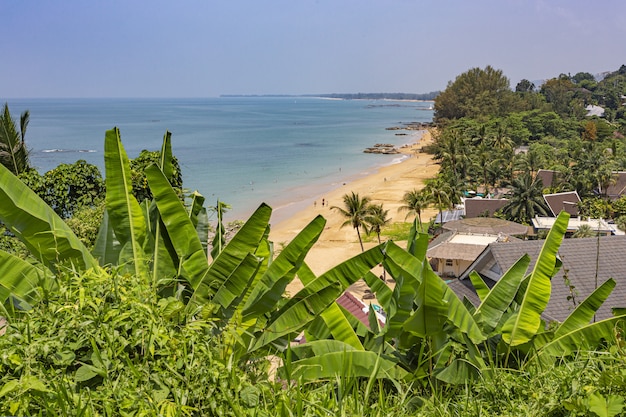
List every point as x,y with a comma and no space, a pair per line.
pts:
386,186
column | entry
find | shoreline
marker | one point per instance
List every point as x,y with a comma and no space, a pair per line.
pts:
385,185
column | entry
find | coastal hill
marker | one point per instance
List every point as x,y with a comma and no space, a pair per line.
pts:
351,96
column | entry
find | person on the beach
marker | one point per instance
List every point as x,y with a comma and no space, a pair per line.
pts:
322,202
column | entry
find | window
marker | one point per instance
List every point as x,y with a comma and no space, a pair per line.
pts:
449,262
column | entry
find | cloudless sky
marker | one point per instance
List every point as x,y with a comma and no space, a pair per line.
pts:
204,48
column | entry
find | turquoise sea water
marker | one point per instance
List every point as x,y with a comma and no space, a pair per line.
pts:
284,151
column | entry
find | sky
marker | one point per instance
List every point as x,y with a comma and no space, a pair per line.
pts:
205,48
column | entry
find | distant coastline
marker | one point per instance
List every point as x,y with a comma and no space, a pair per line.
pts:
350,96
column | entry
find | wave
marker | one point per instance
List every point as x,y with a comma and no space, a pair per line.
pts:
69,150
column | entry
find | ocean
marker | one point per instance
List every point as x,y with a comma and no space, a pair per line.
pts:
285,151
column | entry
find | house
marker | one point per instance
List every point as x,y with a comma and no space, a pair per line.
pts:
593,110
587,263
567,201
599,226
617,187
483,207
464,240
549,178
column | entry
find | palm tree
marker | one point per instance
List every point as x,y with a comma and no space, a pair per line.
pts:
526,200
584,230
13,151
415,201
376,219
441,194
355,212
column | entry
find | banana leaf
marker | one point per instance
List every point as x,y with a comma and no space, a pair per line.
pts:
305,274
498,300
584,312
246,241
166,157
339,326
219,240
106,248
125,214
583,338
181,232
20,280
297,315
380,288
437,306
45,234
346,364
522,326
269,290
479,285
235,285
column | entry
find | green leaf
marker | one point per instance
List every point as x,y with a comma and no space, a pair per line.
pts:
9,387
479,285
498,300
523,325
585,311
339,326
586,337
125,214
235,285
19,279
438,305
181,232
269,290
460,371
166,156
608,406
44,233
246,241
346,364
106,248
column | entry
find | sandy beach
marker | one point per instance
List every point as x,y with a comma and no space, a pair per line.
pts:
388,185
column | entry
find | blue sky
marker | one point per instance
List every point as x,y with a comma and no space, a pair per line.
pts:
204,48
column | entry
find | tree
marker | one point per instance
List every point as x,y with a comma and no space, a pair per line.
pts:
13,151
477,92
355,211
416,201
137,172
524,86
376,219
441,194
526,200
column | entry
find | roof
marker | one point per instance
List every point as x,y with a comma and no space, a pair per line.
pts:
548,177
487,225
567,201
448,216
475,207
579,263
618,187
593,110
574,223
455,245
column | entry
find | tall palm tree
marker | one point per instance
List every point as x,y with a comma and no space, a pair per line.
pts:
376,219
526,200
355,211
13,151
415,201
441,193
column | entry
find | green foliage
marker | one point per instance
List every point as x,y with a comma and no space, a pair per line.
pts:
13,151
107,345
71,187
138,166
476,93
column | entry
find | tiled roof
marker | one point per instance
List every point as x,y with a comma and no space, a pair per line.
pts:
579,263
549,178
474,207
618,188
354,306
567,201
487,225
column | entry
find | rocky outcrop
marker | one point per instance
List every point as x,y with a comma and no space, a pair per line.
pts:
382,148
